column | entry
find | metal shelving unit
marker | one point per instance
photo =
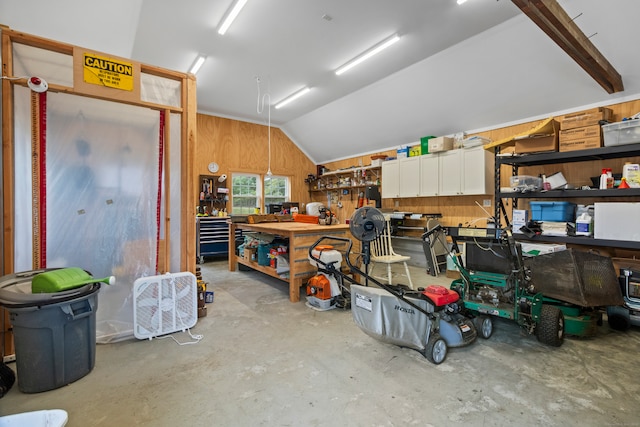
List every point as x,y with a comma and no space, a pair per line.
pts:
603,153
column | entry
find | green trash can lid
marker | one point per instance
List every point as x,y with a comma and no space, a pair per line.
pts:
15,289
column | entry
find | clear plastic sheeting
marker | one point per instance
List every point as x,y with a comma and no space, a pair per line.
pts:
101,195
23,248
101,183
160,90
54,67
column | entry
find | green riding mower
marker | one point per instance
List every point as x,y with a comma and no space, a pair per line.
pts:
549,295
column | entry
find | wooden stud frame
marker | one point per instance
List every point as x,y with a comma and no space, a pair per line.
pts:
187,110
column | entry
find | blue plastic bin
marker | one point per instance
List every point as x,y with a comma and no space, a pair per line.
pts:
553,211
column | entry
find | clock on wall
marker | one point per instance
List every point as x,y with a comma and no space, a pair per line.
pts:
213,167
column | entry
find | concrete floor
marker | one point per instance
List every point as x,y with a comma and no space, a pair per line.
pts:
267,362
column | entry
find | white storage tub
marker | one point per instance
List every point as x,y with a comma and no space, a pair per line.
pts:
621,133
46,418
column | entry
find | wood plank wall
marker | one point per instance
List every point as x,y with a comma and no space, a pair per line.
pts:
243,147
455,210
464,210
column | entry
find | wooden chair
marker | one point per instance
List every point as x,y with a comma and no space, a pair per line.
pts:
382,252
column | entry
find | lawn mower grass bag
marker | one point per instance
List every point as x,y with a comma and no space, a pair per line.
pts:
383,316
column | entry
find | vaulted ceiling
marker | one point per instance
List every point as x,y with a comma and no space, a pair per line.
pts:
456,68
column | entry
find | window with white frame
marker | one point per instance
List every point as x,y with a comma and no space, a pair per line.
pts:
249,191
245,193
276,189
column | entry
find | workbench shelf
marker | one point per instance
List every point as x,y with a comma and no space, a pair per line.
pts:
555,158
261,268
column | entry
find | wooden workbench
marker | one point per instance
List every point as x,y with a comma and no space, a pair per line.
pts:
301,236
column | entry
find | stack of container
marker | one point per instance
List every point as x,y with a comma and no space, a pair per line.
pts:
582,130
553,216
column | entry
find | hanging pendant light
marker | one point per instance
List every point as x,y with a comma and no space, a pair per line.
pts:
260,109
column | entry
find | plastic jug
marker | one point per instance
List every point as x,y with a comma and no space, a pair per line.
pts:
584,225
631,173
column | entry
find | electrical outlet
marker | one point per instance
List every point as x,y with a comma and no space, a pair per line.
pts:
397,203
486,203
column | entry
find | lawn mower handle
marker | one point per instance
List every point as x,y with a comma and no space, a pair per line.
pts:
398,294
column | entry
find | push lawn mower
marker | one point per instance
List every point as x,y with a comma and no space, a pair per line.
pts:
427,320
548,295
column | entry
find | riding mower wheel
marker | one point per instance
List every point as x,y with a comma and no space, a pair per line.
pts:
436,349
618,318
550,330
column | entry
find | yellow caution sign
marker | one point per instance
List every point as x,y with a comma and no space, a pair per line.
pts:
102,71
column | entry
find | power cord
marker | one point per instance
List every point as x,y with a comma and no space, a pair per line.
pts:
197,337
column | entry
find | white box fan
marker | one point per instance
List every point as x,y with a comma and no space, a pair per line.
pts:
164,304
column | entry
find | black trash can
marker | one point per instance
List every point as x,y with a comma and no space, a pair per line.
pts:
54,333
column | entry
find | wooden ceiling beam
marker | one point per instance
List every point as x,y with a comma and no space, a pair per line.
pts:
554,21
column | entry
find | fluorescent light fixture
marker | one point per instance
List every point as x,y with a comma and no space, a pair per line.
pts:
461,1
368,54
197,64
292,97
231,16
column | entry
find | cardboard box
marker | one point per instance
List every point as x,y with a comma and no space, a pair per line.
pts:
402,152
424,144
617,221
537,144
557,180
520,219
535,249
249,254
585,118
415,151
581,138
441,143
452,274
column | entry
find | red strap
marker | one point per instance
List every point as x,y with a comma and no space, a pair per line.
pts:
43,178
159,204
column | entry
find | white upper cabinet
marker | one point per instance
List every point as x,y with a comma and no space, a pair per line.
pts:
410,176
478,171
390,179
466,172
459,172
429,175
